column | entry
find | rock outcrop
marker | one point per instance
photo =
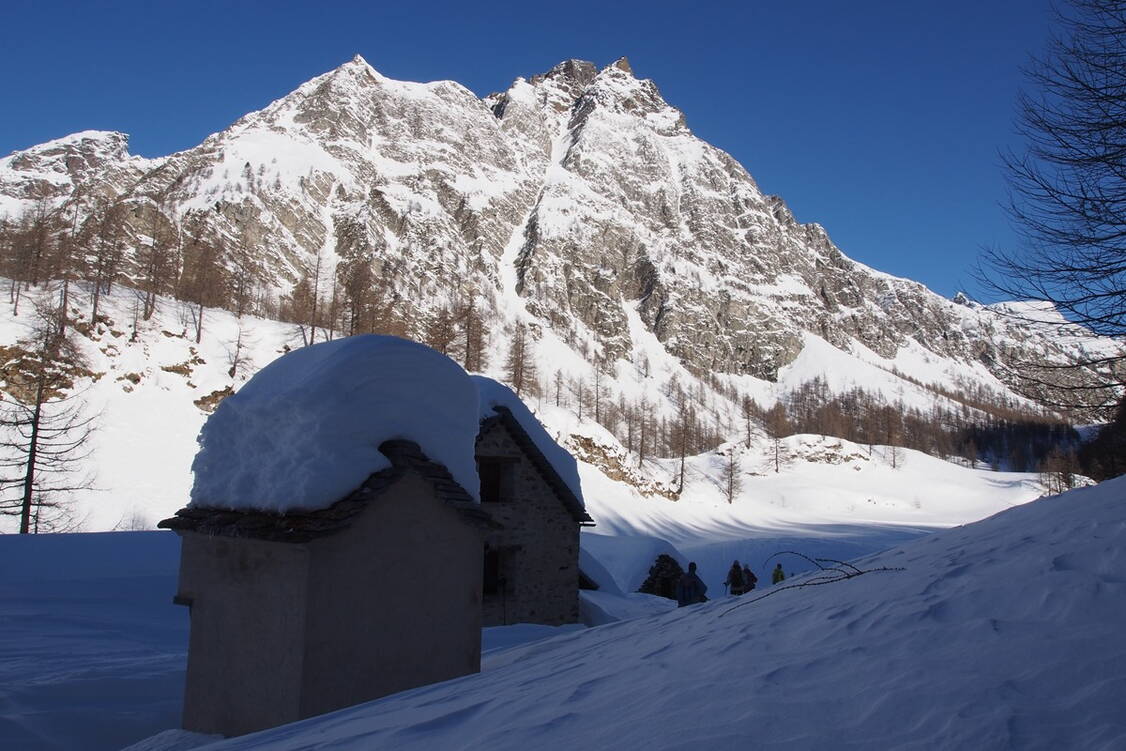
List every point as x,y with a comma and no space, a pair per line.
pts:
577,199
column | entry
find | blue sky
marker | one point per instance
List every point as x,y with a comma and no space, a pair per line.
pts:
882,121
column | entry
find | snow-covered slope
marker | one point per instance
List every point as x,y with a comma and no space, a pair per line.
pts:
645,264
1001,634
143,396
1005,633
152,392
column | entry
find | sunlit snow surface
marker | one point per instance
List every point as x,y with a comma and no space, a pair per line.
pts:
1005,633
1001,634
147,425
306,429
92,657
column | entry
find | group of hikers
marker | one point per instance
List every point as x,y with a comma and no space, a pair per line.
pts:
740,580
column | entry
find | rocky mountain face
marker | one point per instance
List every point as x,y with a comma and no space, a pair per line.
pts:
578,201
58,171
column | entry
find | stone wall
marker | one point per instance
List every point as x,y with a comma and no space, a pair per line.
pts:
281,631
394,601
540,542
245,651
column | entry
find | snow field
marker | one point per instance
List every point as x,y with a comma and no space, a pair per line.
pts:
1000,634
93,650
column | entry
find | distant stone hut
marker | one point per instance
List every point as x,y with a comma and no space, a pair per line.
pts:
297,614
531,572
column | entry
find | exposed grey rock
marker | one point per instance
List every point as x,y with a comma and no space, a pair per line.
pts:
579,192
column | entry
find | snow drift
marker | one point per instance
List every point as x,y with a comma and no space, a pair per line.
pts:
1005,633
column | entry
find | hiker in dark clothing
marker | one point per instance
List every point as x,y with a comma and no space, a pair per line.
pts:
735,579
779,575
749,579
690,589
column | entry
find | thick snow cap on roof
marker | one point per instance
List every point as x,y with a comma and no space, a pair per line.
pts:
305,430
492,394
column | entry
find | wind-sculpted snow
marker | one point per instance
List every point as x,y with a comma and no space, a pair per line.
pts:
1005,633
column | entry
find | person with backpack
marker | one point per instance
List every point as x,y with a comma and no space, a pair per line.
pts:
735,579
779,574
749,579
691,588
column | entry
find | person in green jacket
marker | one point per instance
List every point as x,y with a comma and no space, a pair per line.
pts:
779,575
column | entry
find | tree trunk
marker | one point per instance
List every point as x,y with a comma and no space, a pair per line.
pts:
32,448
97,297
63,303
14,295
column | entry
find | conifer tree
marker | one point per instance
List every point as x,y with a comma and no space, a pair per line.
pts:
203,282
158,256
663,577
521,363
750,410
106,251
474,336
46,435
440,331
777,426
730,478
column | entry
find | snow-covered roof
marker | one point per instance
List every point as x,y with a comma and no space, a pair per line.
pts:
496,399
305,431
305,525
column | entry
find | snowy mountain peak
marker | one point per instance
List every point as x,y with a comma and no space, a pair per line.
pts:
577,200
355,72
105,140
70,154
580,71
94,160
622,64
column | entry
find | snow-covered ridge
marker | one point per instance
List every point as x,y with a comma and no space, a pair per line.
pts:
582,182
51,172
153,392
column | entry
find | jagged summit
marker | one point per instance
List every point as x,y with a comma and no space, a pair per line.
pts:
581,71
359,64
577,200
51,171
622,64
